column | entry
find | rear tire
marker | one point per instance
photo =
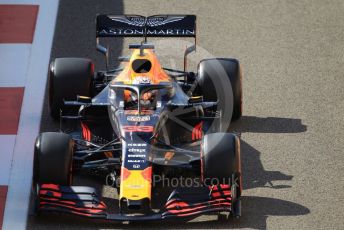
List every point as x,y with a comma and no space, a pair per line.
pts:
68,77
218,70
53,159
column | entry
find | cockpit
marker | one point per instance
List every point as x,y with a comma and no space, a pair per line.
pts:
140,96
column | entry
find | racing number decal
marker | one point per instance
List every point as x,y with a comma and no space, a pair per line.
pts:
146,129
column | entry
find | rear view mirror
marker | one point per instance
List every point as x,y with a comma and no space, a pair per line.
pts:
102,49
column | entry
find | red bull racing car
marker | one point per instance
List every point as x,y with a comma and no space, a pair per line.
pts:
138,122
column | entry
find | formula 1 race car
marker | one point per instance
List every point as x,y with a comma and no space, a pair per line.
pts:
141,121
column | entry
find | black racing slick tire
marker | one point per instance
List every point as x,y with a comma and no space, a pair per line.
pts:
218,70
53,159
68,77
220,158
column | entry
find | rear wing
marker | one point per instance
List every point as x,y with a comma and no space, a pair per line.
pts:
141,26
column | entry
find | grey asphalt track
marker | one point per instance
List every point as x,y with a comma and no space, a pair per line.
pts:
292,53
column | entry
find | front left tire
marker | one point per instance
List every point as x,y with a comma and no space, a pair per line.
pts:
53,159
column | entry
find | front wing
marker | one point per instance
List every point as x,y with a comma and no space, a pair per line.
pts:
184,203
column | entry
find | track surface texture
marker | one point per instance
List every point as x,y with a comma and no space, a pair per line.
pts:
292,53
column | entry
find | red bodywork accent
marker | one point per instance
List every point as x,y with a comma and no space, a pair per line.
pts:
93,209
50,193
219,200
125,173
147,174
86,133
197,132
199,207
53,198
50,186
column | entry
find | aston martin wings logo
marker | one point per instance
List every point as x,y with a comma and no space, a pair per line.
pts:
150,21
161,20
130,20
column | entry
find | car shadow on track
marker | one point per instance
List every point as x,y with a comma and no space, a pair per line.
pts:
252,124
253,170
254,174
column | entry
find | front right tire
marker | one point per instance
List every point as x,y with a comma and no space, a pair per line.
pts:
220,159
212,82
221,164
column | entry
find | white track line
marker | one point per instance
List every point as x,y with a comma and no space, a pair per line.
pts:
6,150
18,195
14,64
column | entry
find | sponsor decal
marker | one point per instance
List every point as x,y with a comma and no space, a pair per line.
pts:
162,20
172,32
137,144
134,150
135,186
136,166
138,118
142,80
136,155
136,112
147,129
137,148
150,21
136,161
